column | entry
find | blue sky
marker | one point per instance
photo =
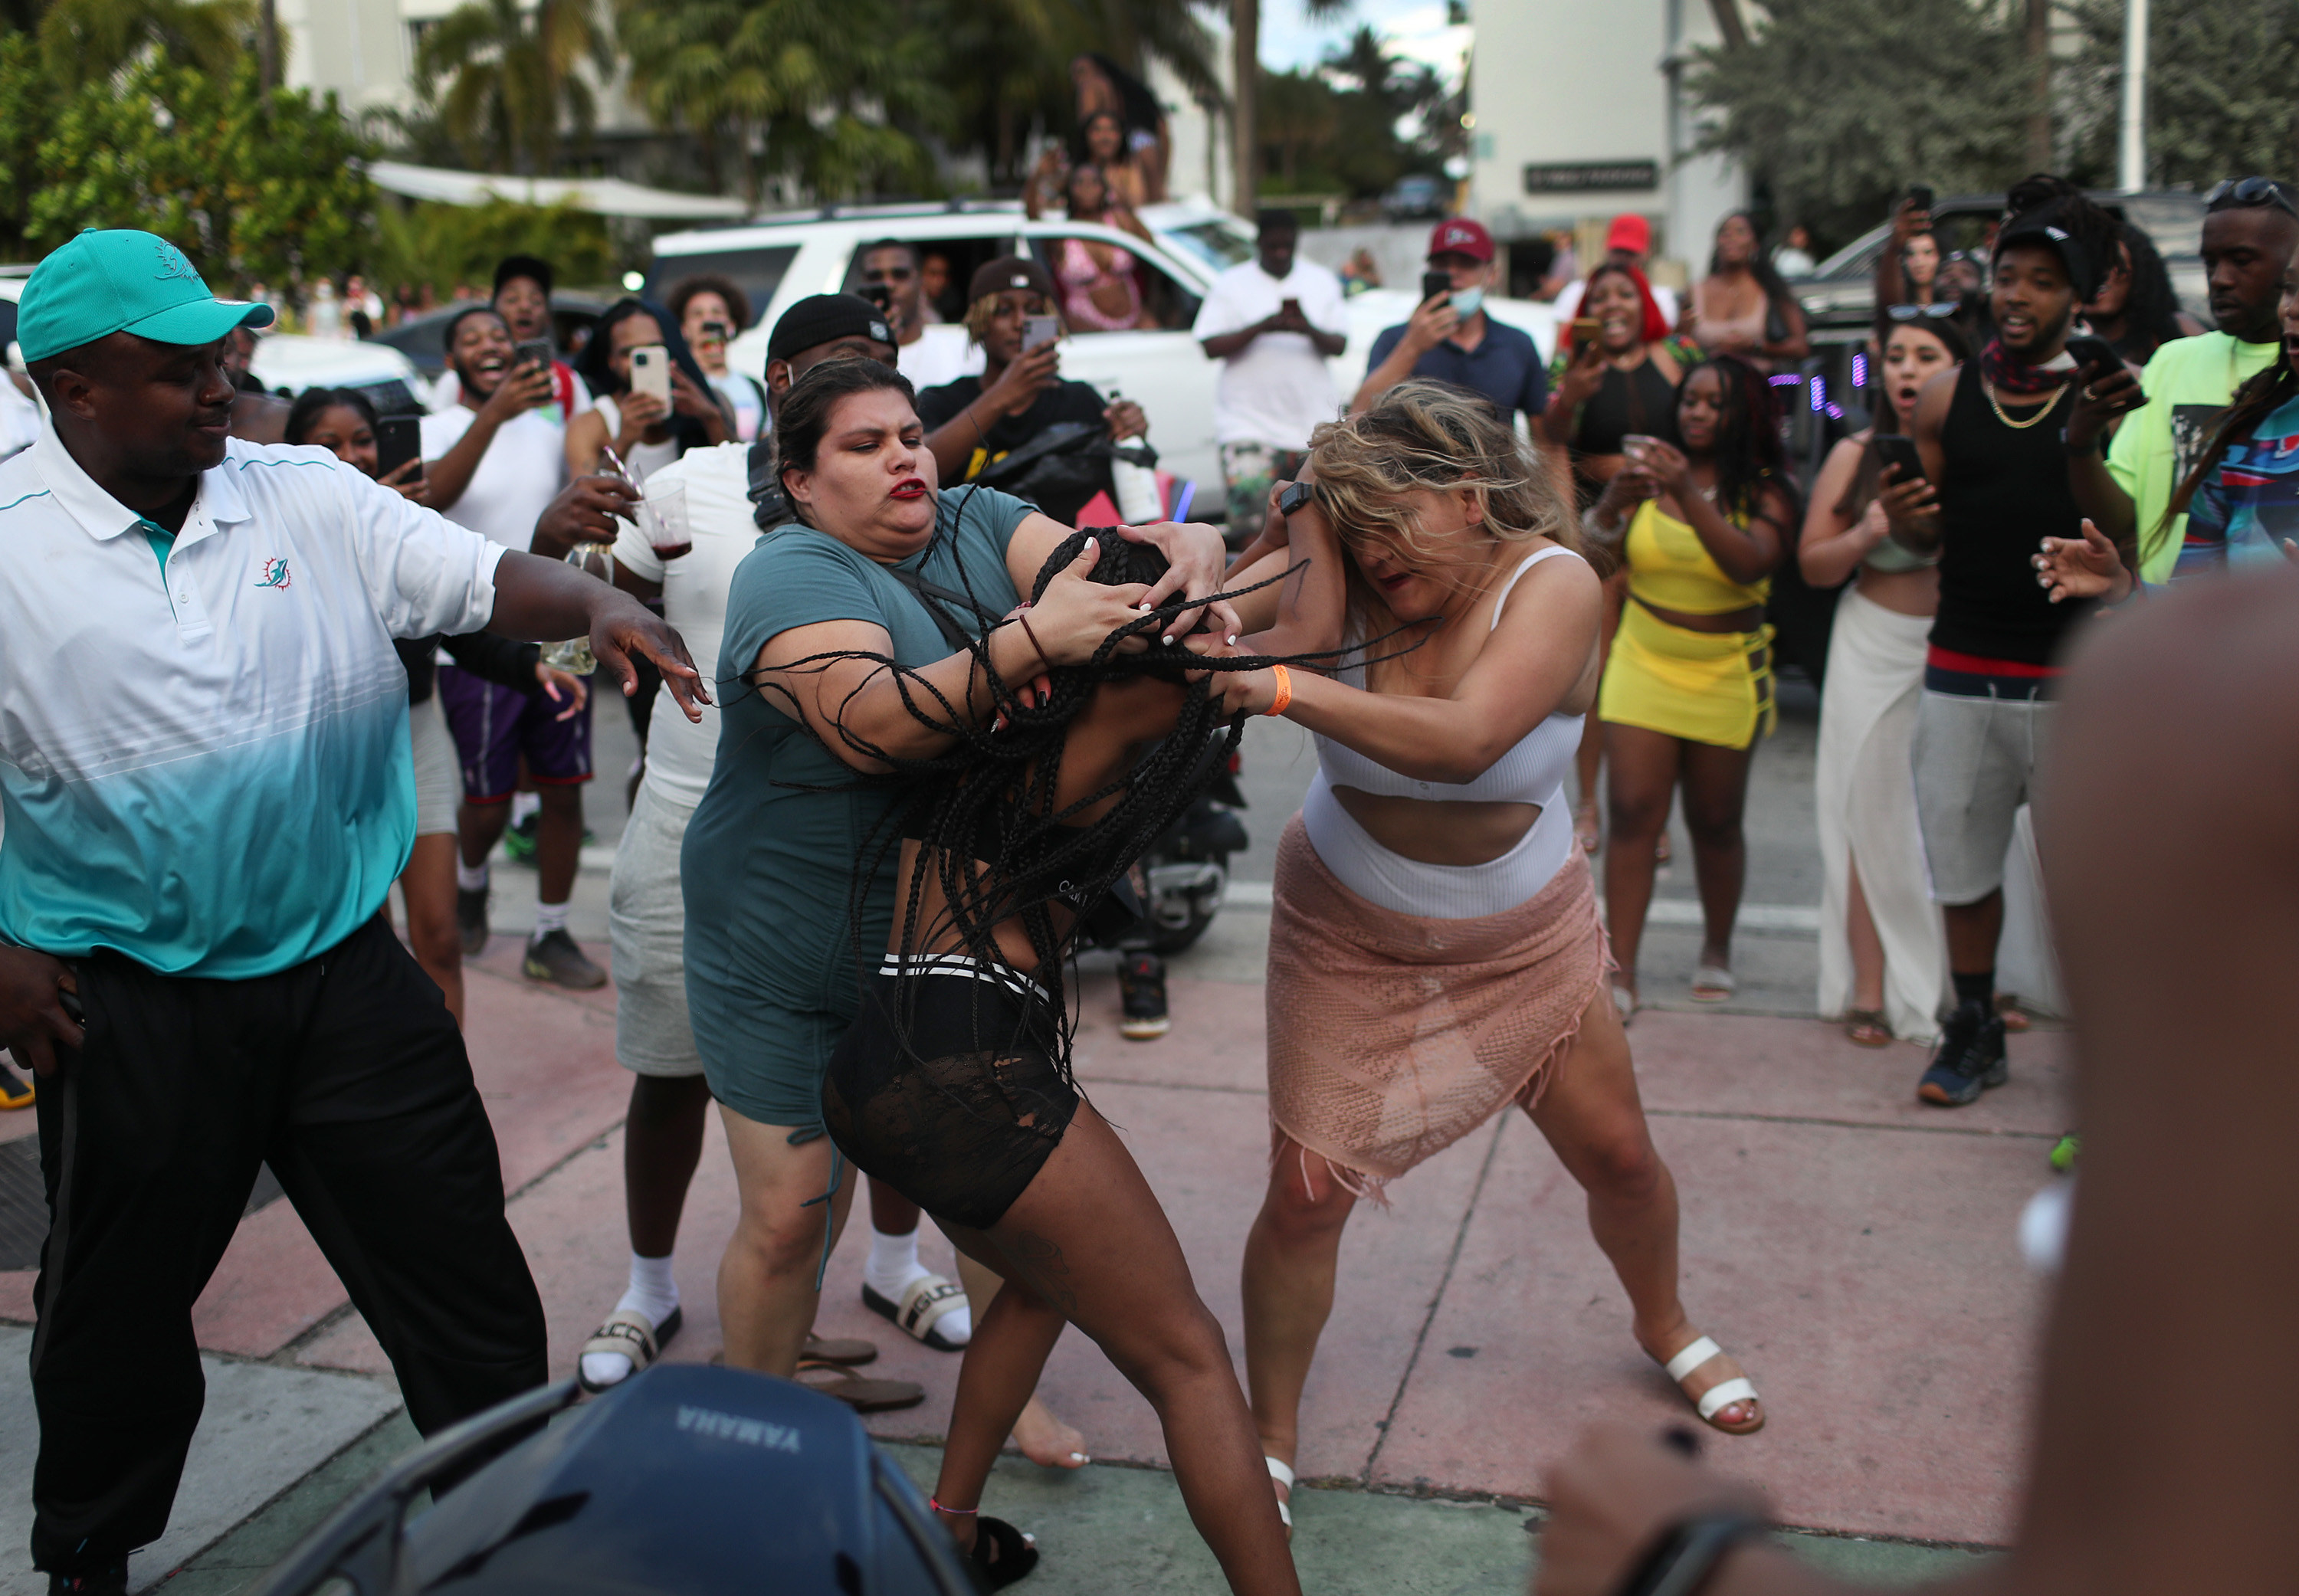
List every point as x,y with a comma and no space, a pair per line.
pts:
1414,28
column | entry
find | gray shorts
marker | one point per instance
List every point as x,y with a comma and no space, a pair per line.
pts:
1975,763
646,926
438,783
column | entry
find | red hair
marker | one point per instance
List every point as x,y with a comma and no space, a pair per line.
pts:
1655,325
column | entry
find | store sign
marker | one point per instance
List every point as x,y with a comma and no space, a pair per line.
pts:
1581,176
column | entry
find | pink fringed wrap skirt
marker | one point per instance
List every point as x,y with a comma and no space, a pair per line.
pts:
1393,1037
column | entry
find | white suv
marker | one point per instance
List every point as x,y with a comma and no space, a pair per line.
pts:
780,259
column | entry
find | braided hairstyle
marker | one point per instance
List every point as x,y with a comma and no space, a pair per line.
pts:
1750,455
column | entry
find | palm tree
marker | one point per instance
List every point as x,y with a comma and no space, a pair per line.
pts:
86,41
825,96
512,77
1245,75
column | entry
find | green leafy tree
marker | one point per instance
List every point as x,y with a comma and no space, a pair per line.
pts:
86,41
27,108
446,246
250,185
507,77
1838,104
2220,90
828,98
1355,125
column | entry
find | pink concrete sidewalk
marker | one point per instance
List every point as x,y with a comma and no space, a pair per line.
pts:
1855,1251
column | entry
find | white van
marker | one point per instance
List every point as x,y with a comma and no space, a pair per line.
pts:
780,259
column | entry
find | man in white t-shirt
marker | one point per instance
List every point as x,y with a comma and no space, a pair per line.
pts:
496,459
1271,322
522,298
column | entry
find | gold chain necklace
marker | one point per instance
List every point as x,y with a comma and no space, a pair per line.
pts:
2051,404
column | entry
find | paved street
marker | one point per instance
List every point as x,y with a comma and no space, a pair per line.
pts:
1855,1251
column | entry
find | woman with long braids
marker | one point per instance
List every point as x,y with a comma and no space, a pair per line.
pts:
771,857
1688,684
954,1085
1883,952
1435,954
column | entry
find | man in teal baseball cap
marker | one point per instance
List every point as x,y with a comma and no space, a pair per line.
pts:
206,765
118,280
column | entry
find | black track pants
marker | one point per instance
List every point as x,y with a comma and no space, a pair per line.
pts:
347,1074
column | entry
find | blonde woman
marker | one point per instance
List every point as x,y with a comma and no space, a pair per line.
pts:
1435,956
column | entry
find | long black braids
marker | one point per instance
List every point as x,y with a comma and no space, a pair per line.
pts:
991,798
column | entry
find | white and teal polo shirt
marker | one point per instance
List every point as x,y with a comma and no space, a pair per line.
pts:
203,750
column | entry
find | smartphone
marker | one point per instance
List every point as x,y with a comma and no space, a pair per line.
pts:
1038,331
1919,195
651,371
1639,446
1586,328
879,294
1434,283
2090,350
1898,448
535,351
1291,307
398,439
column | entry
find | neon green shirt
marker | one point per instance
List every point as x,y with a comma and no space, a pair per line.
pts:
2188,383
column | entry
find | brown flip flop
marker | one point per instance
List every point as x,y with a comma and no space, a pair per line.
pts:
863,1395
852,1351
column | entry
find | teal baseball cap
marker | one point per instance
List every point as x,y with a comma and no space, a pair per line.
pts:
120,280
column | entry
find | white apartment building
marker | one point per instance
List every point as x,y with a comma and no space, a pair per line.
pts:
1579,117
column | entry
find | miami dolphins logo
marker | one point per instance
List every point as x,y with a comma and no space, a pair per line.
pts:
275,573
173,265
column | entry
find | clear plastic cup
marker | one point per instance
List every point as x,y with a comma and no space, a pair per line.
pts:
663,517
573,655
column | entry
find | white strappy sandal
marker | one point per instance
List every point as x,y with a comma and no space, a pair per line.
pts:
1283,1474
1719,1397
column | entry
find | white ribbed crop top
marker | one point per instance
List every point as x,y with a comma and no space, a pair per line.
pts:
1534,771
1529,773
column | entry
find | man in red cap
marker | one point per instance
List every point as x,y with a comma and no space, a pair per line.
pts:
1452,339
1628,241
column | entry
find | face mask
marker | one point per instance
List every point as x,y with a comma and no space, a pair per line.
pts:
1466,301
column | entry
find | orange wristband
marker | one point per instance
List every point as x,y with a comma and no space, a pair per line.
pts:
1284,699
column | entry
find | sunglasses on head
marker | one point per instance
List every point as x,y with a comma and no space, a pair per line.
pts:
1938,311
2247,191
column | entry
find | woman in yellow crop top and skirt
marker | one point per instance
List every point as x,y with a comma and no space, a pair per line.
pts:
1688,687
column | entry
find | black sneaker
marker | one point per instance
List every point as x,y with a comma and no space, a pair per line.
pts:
471,919
103,1582
556,959
1969,1059
1142,991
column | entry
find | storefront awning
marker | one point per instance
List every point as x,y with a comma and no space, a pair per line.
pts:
607,196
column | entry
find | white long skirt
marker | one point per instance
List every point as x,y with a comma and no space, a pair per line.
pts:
1867,802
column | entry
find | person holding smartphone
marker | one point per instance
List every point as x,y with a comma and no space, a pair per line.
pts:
496,462
1013,314
654,402
1883,952
1995,482
344,422
1452,339
1271,322
711,311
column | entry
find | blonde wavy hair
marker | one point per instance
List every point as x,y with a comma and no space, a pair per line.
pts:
1428,436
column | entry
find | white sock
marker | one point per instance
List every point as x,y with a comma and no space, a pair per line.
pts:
470,878
524,803
652,1293
893,1264
549,918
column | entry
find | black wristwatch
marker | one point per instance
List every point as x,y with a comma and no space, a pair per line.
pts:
1294,497
1687,1553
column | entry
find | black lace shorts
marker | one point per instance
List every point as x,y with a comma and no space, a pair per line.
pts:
958,1106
